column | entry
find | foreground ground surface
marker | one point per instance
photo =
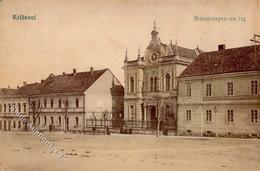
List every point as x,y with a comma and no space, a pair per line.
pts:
22,151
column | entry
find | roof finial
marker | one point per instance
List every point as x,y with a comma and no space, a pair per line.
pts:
154,25
139,52
176,49
126,56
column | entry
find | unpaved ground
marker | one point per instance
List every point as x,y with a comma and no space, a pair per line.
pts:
21,151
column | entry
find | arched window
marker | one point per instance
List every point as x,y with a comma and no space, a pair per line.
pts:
168,78
132,84
151,84
155,84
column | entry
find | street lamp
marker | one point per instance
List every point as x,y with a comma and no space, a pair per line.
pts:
215,111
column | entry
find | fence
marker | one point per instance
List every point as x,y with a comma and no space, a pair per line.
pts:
130,124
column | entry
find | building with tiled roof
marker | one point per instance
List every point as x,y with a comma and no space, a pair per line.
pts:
218,93
150,81
67,102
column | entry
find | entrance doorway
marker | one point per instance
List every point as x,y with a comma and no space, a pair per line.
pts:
153,117
67,124
5,126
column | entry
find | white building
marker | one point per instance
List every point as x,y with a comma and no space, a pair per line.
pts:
219,93
68,101
151,84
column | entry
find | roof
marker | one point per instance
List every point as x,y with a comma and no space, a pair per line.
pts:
7,91
225,61
65,83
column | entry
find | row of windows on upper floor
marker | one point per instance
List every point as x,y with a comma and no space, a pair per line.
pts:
37,104
153,84
254,116
229,89
65,103
3,107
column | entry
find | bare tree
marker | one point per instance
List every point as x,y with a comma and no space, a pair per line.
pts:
36,110
65,110
105,116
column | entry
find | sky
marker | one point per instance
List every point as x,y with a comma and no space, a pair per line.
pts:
83,33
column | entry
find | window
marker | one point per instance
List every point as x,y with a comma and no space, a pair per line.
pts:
39,103
45,120
19,107
208,90
14,124
168,80
77,121
155,84
0,107
4,107
208,116
59,120
230,116
188,115
254,116
24,107
51,103
52,121
45,103
230,88
254,87
188,89
132,84
77,103
9,107
151,84
19,124
59,103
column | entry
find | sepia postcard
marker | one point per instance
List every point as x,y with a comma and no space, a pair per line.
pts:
129,85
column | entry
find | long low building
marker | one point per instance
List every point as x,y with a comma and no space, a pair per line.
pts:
65,102
218,94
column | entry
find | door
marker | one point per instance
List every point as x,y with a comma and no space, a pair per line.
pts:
67,124
153,117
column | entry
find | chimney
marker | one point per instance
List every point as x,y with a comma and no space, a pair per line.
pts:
74,71
51,75
24,83
221,47
18,86
63,73
91,69
41,80
8,87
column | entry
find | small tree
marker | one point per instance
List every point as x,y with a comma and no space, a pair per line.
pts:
65,110
36,110
105,116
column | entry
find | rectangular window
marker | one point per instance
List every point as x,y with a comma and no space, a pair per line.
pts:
132,113
9,107
19,124
0,107
19,107
188,89
45,120
230,116
254,88
59,120
51,103
77,103
4,107
208,90
24,107
188,115
52,121
59,103
77,121
45,103
254,116
230,88
208,116
14,124
39,103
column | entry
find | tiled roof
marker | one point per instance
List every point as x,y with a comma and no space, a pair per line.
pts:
225,61
7,91
185,52
65,83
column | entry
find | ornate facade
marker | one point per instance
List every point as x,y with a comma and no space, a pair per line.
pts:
150,81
